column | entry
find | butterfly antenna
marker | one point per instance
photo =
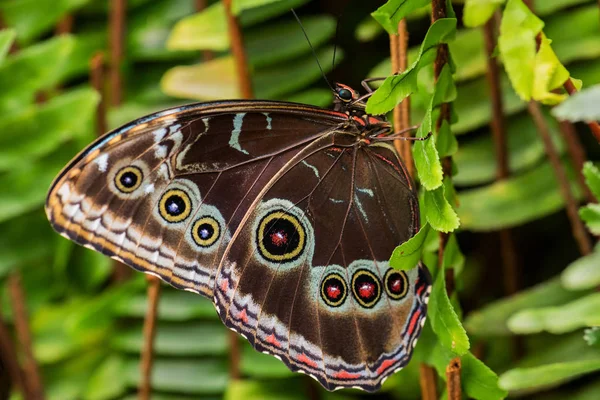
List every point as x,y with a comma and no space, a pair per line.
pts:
337,29
313,49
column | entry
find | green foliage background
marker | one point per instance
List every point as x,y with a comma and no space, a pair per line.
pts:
87,330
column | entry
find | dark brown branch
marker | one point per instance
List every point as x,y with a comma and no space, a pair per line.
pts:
8,358
239,53
399,57
65,25
579,231
577,155
147,356
33,378
118,9
453,380
428,382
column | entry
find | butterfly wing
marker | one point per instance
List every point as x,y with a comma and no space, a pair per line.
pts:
306,276
164,194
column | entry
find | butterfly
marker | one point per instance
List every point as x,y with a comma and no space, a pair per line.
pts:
283,214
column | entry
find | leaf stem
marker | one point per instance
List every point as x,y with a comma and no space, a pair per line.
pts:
239,52
147,356
579,231
118,9
453,379
399,57
8,359
32,377
65,25
428,382
577,154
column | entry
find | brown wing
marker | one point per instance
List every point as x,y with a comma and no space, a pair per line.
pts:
165,194
306,276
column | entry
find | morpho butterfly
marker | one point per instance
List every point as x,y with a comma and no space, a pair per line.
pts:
283,214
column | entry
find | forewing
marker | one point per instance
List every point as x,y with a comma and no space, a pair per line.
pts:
166,193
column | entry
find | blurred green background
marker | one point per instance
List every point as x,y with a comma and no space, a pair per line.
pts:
87,326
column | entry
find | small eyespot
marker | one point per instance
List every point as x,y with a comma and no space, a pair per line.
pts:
334,290
396,284
128,179
175,205
366,288
205,231
280,236
344,94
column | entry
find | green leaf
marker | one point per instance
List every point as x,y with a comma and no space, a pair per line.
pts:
491,320
582,106
527,380
439,213
453,257
31,18
583,273
444,320
45,127
549,74
397,87
408,254
269,390
513,201
7,36
478,12
580,313
108,381
206,30
592,177
177,339
390,14
426,156
446,142
237,6
206,376
592,336
263,366
590,214
479,381
174,305
517,45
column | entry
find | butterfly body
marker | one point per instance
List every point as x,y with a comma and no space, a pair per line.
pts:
283,214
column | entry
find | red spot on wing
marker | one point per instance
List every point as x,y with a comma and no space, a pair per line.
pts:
279,238
333,292
385,365
397,285
272,340
305,360
243,316
346,375
366,290
225,285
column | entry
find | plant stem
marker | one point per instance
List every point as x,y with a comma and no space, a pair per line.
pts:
118,9
453,379
579,231
65,25
206,54
498,126
239,52
428,382
399,57
97,82
577,154
147,356
8,358
33,379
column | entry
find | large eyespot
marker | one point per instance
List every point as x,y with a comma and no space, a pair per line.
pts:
128,179
175,205
396,283
280,236
205,231
334,290
366,288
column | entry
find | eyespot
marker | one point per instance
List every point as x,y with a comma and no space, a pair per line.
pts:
344,94
334,290
280,236
175,205
205,231
396,283
366,288
128,179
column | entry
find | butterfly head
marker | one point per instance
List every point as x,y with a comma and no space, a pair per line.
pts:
344,93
